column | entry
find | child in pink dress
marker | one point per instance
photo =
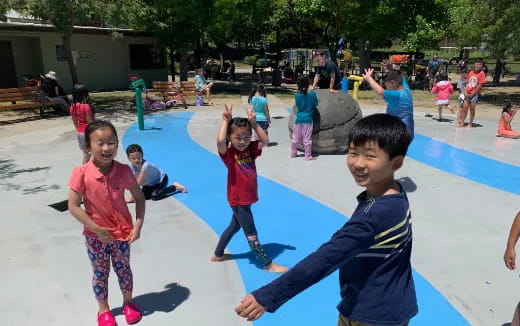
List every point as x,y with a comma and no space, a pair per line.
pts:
108,228
443,88
81,114
504,125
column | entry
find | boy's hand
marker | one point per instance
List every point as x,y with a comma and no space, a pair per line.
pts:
249,308
227,114
368,73
134,235
509,258
103,234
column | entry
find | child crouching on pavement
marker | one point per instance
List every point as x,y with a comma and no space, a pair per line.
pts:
377,239
151,178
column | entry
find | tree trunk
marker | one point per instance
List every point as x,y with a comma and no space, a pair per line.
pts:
184,65
333,49
172,61
221,61
66,40
365,50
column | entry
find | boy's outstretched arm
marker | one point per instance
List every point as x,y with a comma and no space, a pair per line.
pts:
250,308
510,254
354,237
222,132
373,84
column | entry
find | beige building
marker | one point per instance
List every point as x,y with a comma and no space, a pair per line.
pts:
105,58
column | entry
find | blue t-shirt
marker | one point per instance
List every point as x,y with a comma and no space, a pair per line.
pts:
461,85
259,103
434,66
199,82
153,174
400,104
372,251
305,105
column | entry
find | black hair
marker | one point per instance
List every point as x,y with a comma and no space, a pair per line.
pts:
479,60
394,75
258,88
79,94
134,148
98,124
463,70
303,84
443,76
389,132
236,123
507,106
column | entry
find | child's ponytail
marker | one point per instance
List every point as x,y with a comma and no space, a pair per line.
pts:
303,84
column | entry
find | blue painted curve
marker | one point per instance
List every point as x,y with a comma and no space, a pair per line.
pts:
465,164
290,224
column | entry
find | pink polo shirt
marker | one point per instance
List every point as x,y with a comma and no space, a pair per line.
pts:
103,196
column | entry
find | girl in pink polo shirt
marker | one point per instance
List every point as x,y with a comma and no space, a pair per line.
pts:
108,226
240,158
81,114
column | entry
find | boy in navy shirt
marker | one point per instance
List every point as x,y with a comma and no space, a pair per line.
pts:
372,250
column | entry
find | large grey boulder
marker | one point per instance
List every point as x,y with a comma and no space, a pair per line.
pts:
338,112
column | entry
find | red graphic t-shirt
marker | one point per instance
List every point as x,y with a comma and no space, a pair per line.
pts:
474,80
242,186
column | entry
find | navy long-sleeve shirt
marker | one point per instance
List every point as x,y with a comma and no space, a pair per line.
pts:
372,251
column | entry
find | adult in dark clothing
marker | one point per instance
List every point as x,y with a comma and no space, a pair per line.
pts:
54,91
498,72
433,69
485,69
327,74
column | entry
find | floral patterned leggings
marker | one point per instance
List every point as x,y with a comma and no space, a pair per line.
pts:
100,254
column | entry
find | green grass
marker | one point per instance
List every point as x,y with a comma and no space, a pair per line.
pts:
107,98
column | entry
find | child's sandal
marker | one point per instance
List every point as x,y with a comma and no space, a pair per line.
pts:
106,319
132,313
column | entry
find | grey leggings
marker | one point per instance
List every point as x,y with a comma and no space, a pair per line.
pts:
243,218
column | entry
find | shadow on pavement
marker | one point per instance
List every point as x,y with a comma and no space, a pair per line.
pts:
408,184
9,169
166,301
273,250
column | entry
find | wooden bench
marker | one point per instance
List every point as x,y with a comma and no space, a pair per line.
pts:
169,89
24,98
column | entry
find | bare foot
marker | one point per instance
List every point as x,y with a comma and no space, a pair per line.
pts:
224,257
312,158
469,125
275,268
180,187
293,156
